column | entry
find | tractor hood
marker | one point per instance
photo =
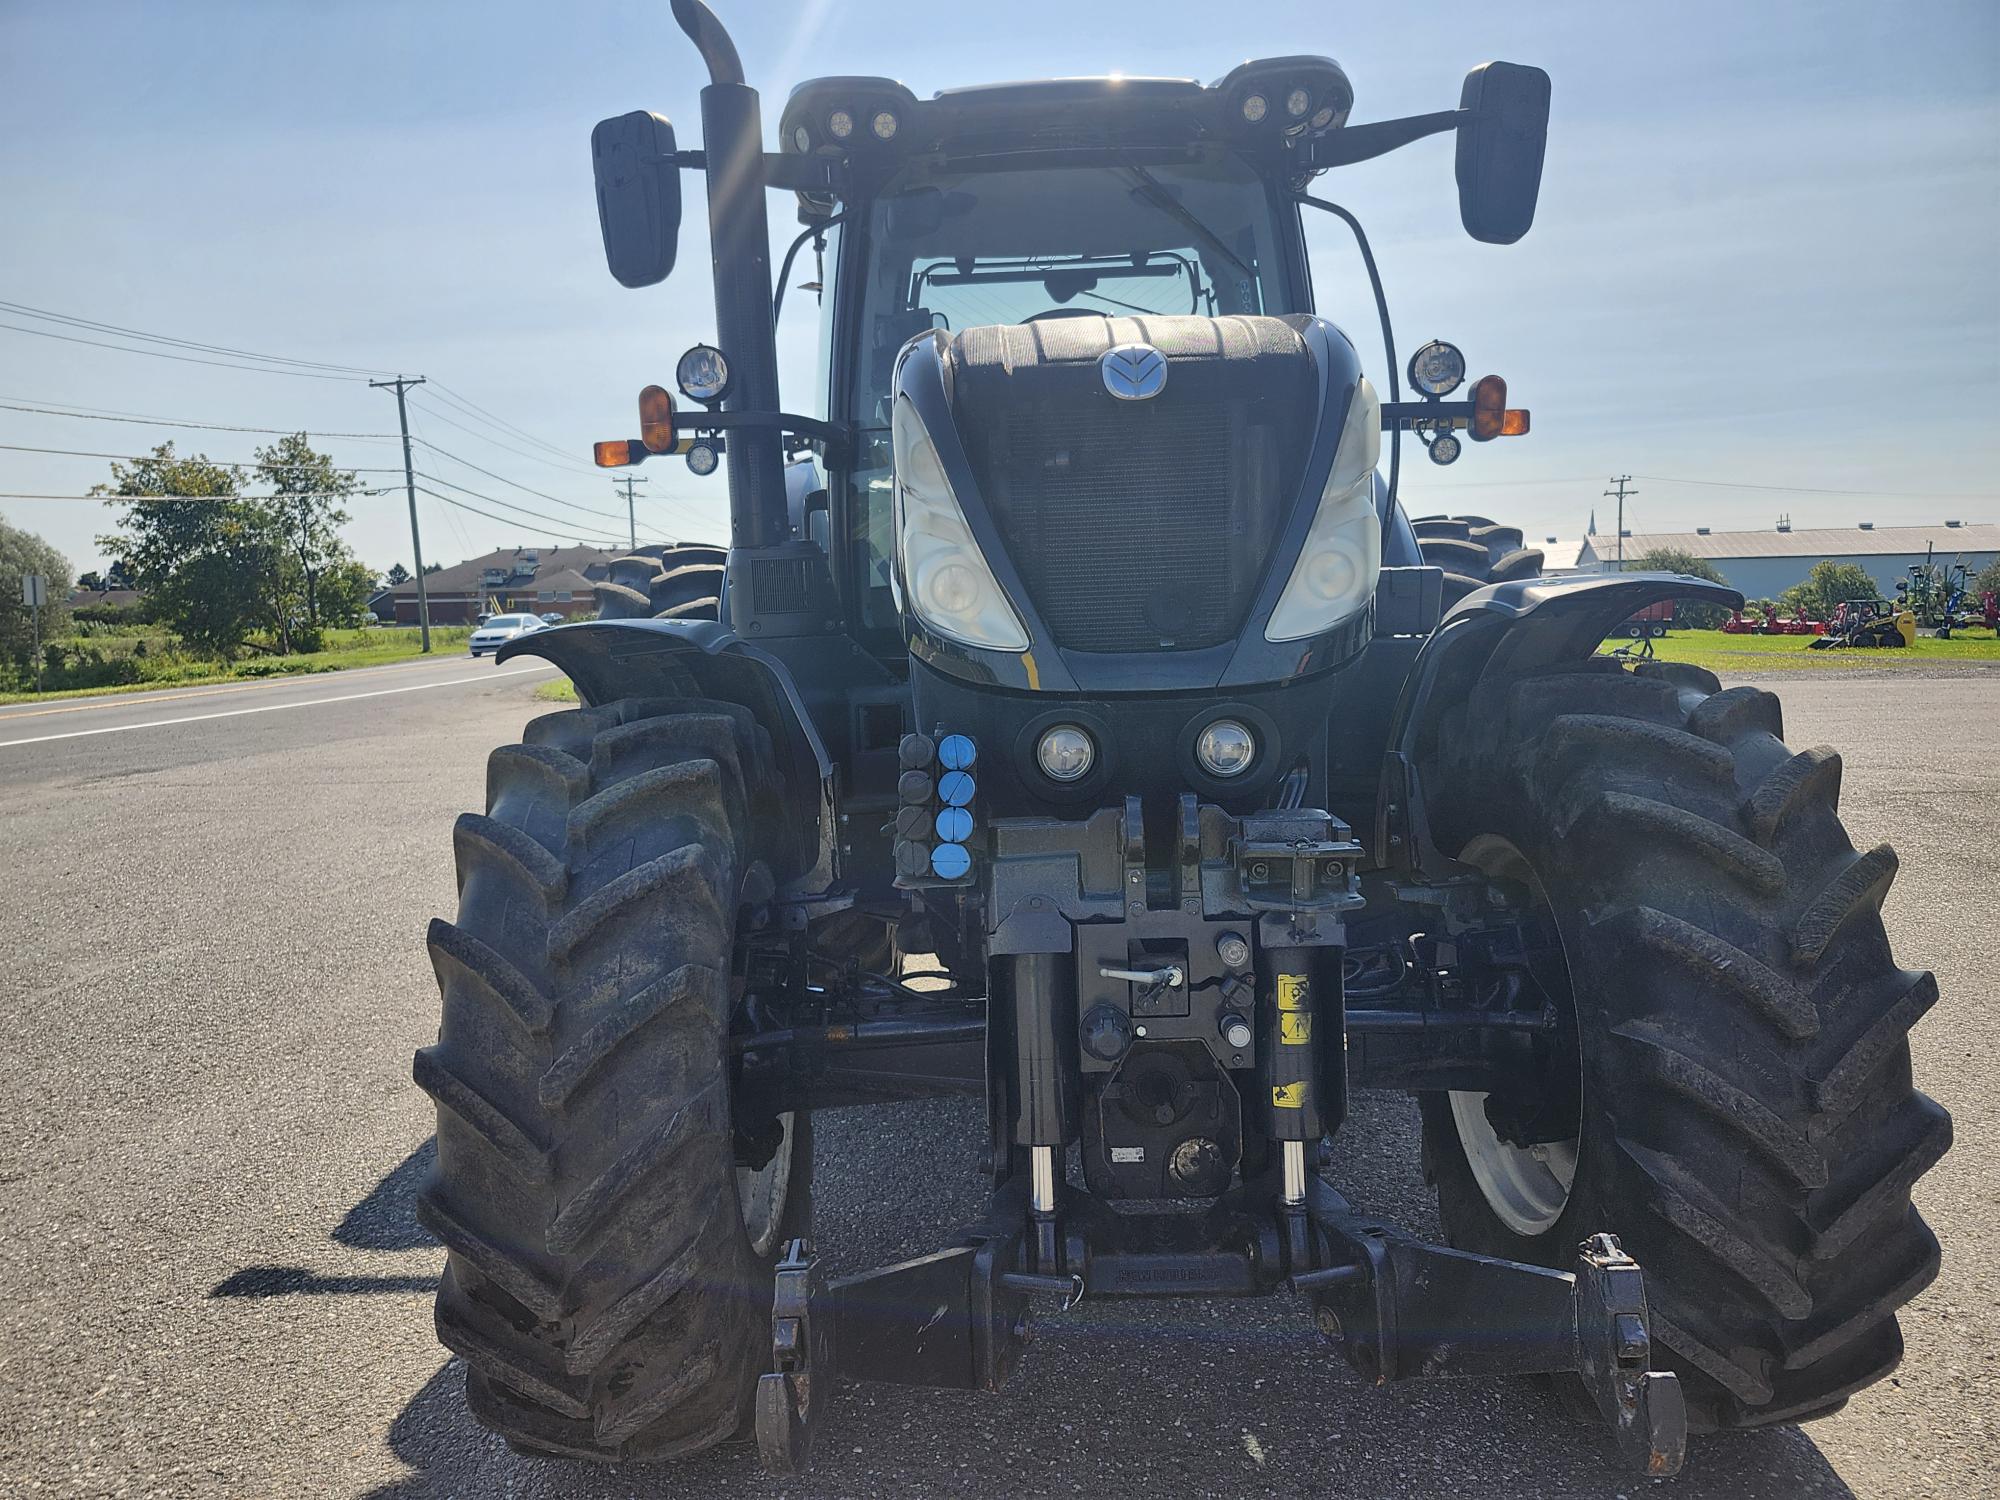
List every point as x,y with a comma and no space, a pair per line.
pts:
1136,504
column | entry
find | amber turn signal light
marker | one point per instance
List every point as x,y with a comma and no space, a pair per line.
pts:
614,455
656,419
1514,422
1489,408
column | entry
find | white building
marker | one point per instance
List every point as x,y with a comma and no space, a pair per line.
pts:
1763,564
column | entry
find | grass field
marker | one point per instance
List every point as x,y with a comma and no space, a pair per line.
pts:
1789,653
344,649
1738,654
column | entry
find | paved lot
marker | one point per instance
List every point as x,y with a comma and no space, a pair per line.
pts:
211,976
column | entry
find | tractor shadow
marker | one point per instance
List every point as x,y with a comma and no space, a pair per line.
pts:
1167,1398
384,1220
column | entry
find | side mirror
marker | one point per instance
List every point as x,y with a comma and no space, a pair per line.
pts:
638,196
1500,150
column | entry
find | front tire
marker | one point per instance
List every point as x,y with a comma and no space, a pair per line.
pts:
1747,1121
608,1276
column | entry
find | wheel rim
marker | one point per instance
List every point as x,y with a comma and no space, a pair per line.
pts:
764,1192
1527,1187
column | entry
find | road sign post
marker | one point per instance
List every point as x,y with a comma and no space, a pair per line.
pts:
34,594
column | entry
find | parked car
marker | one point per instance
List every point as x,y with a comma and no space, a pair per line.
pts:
552,618
497,630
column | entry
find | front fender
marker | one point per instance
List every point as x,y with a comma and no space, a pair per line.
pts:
1504,629
645,658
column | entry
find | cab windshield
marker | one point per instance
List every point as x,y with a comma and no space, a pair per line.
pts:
963,249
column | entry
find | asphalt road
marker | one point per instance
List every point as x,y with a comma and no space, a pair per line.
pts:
212,979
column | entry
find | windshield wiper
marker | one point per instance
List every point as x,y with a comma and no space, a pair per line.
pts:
1151,190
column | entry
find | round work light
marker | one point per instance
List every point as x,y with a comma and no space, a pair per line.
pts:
1066,753
1225,748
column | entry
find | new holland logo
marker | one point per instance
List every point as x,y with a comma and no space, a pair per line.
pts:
1134,372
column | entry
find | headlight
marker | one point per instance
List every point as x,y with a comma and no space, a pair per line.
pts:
1335,573
1066,753
1225,748
702,374
951,588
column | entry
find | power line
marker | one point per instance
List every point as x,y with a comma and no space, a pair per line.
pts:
186,359
1718,484
465,403
518,452
88,415
1801,489
530,489
108,499
144,457
162,338
569,533
505,505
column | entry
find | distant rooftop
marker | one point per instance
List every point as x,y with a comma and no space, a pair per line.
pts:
513,568
1814,542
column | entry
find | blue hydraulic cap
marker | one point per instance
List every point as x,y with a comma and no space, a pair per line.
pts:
949,861
956,752
954,825
955,788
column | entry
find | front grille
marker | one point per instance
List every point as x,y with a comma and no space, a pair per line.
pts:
1141,525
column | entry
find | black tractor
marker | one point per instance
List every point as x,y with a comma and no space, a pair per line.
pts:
1075,720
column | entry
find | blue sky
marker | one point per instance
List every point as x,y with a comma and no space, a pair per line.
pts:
1765,252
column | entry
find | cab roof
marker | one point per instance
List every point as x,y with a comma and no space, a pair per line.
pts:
1268,108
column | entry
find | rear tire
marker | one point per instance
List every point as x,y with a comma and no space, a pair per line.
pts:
1474,552
678,582
1749,1127
600,1281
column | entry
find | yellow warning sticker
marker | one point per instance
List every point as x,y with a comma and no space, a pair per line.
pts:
1288,1095
1295,1028
1294,991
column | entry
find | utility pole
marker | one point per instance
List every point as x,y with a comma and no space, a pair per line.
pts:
631,517
399,385
1621,492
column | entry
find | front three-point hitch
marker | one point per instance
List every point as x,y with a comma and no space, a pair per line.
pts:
1398,1308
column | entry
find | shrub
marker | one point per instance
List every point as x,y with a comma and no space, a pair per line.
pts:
1829,585
1693,614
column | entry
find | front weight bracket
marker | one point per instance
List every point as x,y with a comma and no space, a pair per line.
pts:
791,1395
1646,1410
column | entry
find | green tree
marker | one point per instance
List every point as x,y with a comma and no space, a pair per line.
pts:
306,504
1829,585
397,574
344,591
208,557
22,552
1691,613
1985,581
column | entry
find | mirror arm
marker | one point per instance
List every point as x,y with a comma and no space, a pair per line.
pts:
816,232
1354,143
1388,336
